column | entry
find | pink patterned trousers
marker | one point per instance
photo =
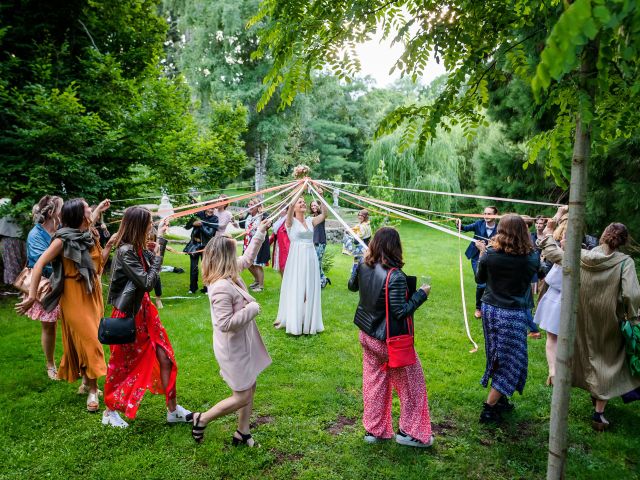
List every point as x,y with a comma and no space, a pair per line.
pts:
377,390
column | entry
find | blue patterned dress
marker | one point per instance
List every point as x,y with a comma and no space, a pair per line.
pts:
505,333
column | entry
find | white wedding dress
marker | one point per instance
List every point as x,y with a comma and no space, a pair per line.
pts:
300,310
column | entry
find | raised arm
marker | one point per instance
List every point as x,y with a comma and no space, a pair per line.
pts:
550,250
49,254
318,219
250,254
292,206
99,210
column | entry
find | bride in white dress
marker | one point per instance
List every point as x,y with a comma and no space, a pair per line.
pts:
300,310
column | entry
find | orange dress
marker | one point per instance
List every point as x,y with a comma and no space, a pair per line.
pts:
80,314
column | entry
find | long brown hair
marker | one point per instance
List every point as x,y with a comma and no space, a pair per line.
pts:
219,260
385,248
134,227
512,236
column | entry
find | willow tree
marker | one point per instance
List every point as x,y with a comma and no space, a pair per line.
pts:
436,167
580,58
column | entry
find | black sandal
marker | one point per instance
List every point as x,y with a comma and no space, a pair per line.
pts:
197,431
235,441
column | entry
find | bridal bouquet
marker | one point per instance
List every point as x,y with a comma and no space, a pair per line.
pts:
300,172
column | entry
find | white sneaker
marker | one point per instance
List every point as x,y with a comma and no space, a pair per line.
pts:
179,415
403,438
111,417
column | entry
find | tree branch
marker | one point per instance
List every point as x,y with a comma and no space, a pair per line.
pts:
89,35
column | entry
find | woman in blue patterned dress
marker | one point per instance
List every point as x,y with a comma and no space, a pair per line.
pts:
507,267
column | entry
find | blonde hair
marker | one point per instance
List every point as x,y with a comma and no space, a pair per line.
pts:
219,260
561,228
48,207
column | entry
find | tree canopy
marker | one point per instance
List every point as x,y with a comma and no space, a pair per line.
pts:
86,109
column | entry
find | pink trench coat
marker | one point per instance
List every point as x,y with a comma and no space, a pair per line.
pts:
237,344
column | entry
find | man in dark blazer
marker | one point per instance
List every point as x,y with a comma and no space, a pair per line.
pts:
482,230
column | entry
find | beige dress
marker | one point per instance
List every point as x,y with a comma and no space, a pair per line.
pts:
80,314
609,292
237,344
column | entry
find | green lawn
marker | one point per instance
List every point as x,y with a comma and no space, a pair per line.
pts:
308,403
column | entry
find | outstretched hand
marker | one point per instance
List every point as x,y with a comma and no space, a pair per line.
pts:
103,206
264,226
551,226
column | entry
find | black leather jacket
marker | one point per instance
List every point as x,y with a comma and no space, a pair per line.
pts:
371,312
201,235
129,280
508,278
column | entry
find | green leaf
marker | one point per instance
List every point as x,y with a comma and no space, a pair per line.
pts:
602,13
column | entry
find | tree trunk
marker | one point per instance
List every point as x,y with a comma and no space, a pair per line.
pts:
261,153
570,285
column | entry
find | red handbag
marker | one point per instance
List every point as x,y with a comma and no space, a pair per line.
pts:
400,348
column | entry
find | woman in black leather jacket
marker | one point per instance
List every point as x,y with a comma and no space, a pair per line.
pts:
384,259
148,363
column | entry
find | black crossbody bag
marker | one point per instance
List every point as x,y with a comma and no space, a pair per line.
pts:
117,331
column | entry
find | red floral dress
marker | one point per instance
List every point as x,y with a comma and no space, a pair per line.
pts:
133,367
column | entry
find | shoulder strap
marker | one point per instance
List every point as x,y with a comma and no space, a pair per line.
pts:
386,301
386,298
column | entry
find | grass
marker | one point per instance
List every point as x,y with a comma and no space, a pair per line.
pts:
308,403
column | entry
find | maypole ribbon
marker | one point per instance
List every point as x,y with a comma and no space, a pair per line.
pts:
222,202
407,216
285,202
460,237
464,302
339,218
452,194
291,186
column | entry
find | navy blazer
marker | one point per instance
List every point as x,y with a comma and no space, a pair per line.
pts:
479,229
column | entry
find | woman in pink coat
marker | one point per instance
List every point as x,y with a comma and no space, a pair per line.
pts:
237,344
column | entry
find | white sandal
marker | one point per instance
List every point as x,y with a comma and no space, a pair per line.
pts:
93,404
52,373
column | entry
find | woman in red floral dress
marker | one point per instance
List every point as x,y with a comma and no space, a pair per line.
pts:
149,362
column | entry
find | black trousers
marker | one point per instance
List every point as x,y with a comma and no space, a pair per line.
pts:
158,288
193,282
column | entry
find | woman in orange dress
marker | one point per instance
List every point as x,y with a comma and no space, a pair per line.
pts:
77,261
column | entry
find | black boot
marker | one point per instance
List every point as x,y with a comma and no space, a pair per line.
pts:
503,405
490,414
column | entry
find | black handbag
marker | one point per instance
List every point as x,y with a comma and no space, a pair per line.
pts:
116,331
